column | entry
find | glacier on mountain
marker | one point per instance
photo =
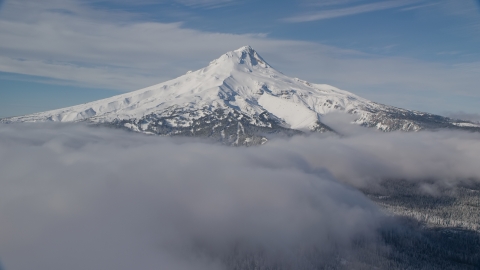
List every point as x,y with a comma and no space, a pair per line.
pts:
239,99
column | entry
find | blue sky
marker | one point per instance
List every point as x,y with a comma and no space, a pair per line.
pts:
415,54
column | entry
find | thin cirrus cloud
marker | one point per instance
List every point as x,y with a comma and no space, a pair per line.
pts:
348,11
206,3
313,3
101,49
419,6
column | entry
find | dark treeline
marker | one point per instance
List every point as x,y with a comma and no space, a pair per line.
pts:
432,226
403,243
431,203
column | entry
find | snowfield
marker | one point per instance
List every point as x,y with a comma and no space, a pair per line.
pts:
239,89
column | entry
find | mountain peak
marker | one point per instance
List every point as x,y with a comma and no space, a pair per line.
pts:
238,99
244,55
247,49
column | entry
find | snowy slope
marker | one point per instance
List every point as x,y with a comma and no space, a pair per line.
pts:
238,90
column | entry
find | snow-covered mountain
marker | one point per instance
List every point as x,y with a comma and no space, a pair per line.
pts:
239,99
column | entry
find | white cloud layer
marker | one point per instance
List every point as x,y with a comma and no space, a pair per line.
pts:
73,197
76,197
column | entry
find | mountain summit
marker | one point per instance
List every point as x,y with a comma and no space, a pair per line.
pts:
238,99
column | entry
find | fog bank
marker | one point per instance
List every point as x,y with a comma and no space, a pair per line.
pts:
77,197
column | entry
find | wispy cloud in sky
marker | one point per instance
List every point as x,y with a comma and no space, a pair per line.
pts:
420,6
341,12
206,3
91,47
324,3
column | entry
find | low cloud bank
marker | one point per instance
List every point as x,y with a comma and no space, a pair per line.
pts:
474,117
445,158
77,197
74,197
